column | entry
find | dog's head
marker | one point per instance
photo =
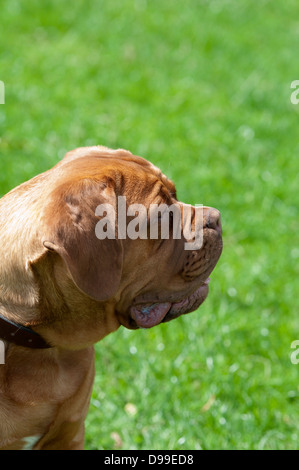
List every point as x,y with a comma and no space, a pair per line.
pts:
120,238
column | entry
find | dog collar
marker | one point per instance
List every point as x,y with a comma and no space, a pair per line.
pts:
21,335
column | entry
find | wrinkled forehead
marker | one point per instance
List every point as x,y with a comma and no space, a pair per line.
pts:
144,181
143,177
127,170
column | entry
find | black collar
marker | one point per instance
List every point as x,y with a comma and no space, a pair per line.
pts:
21,335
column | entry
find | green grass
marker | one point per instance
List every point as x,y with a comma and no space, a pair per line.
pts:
202,89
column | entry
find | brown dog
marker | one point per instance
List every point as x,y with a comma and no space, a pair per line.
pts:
62,288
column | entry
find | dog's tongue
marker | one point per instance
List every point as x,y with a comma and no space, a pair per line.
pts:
147,316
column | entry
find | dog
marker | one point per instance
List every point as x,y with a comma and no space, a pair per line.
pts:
64,285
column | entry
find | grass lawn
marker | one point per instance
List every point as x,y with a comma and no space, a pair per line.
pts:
202,89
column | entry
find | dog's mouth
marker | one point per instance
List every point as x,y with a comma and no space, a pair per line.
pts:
151,314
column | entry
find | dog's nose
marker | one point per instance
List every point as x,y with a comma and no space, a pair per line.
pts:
213,219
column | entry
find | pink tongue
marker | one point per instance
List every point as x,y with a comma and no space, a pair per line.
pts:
148,316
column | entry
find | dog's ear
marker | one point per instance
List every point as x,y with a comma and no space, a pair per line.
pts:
71,219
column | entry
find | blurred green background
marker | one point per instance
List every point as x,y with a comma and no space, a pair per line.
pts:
202,89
